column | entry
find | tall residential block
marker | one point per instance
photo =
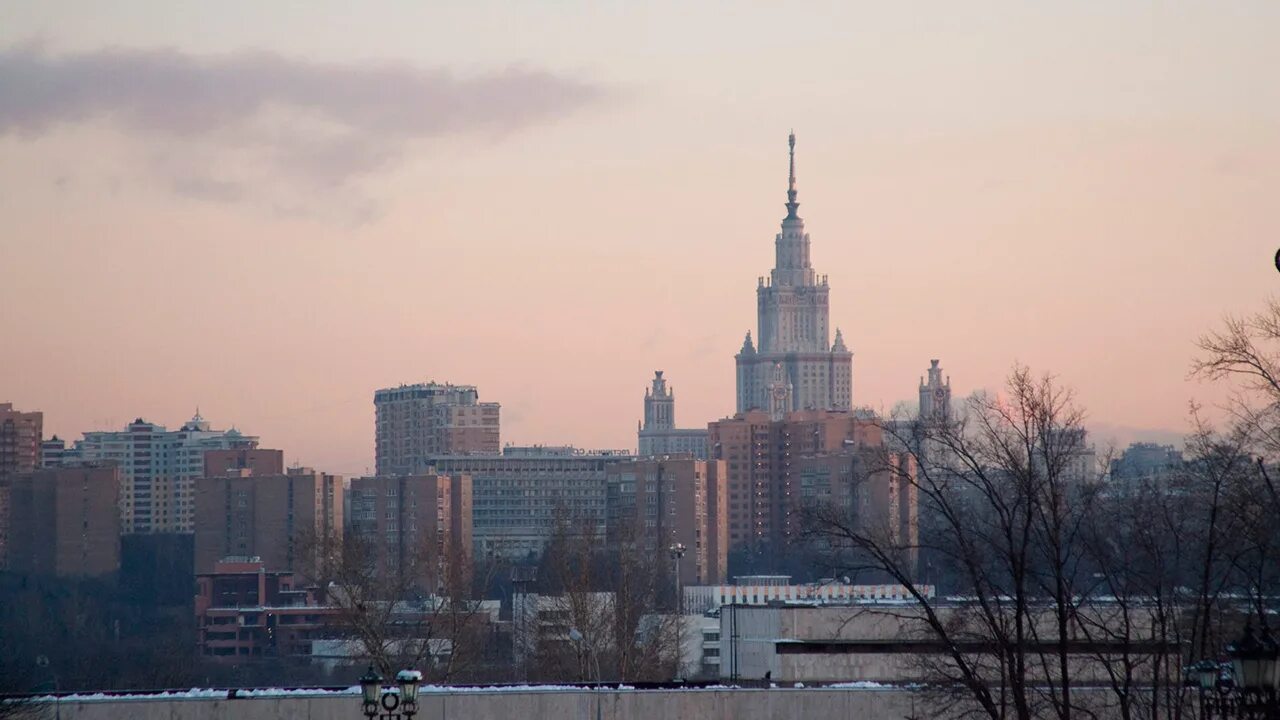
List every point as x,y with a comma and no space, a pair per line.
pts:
60,521
158,468
521,495
795,366
20,437
774,467
416,422
281,518
655,503
658,434
417,524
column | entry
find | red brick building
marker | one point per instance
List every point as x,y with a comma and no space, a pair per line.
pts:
258,461
417,521
61,521
243,612
774,467
662,501
279,518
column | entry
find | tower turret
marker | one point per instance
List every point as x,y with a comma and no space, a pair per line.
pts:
935,395
659,405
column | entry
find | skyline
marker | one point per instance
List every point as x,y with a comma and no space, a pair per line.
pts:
556,262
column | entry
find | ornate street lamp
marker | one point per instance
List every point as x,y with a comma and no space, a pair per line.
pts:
1253,662
371,690
1247,687
409,680
1204,675
390,703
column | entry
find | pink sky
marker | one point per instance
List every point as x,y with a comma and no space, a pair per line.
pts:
551,202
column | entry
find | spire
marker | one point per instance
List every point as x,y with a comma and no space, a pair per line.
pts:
839,345
791,179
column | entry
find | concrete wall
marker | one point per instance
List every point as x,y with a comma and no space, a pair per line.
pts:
533,704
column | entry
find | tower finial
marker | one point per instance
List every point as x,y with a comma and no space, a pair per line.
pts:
791,179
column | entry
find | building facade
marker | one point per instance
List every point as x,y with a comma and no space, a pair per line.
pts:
158,469
245,612
655,503
20,437
419,525
258,461
520,495
54,452
60,521
1145,465
416,422
658,434
776,467
795,366
281,518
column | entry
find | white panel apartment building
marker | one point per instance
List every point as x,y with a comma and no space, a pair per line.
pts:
517,497
158,468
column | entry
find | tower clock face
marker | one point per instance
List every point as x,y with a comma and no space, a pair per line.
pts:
937,394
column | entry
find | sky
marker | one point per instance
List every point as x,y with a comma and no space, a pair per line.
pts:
269,210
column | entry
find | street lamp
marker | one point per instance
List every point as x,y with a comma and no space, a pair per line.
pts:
1253,661
581,641
371,690
409,680
677,552
1248,687
388,703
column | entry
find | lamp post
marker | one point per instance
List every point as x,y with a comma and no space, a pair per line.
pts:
398,702
677,553
581,641
1248,686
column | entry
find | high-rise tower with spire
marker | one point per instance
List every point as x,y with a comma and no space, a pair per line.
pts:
795,366
658,434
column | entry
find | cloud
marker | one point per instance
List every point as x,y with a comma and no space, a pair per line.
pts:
223,124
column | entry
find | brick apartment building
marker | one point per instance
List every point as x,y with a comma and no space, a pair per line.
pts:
61,522
258,461
661,501
277,517
416,422
775,466
243,611
420,523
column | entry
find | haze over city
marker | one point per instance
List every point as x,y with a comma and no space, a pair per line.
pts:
551,201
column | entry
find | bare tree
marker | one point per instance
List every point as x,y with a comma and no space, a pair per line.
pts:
1246,353
1006,492
615,599
412,608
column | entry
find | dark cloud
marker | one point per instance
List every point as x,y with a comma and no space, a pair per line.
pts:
319,124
